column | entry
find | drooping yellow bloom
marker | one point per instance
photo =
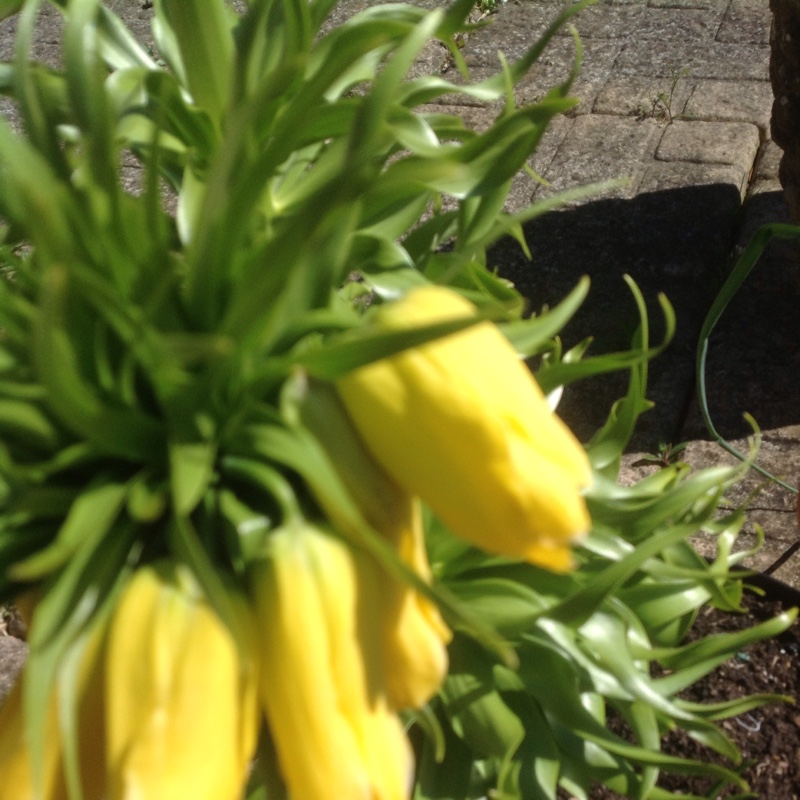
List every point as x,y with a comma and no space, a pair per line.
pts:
182,706
462,423
334,732
19,779
411,631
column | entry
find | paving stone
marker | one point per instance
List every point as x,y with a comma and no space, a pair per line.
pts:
642,97
610,22
513,31
666,175
668,25
746,21
701,59
708,4
710,143
731,101
600,148
556,132
768,162
554,67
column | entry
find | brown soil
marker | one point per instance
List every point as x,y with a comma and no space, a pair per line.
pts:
768,738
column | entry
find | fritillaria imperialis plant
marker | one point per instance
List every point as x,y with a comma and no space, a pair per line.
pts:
286,511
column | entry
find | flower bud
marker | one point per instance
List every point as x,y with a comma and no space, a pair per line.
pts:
15,759
182,707
462,423
21,778
333,730
412,633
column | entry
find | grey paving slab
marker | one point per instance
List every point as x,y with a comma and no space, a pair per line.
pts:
602,148
658,26
769,159
733,143
513,30
618,22
701,59
708,4
664,176
555,65
730,101
643,97
746,21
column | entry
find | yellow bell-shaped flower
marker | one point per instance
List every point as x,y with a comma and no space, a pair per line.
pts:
462,423
333,730
20,778
411,631
182,708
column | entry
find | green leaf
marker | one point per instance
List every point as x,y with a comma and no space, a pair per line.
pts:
202,30
90,518
9,7
447,778
28,425
508,606
191,471
529,336
481,717
126,433
745,263
355,350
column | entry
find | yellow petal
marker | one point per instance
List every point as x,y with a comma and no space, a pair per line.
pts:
413,660
15,765
462,423
333,736
413,633
181,718
16,770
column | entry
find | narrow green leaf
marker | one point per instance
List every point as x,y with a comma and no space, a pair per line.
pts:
747,260
9,7
28,425
126,433
203,31
91,516
191,471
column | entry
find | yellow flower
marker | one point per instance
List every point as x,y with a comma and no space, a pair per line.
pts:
411,631
462,423
182,708
334,733
17,781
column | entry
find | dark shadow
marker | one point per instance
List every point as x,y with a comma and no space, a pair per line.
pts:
678,242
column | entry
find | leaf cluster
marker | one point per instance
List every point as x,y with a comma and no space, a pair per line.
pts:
606,639
153,364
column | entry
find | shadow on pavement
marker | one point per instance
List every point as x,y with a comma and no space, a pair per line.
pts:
677,242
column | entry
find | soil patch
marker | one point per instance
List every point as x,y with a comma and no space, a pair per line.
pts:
769,737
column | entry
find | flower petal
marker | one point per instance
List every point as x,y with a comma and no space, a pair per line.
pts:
462,423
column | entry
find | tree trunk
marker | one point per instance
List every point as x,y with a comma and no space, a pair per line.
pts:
785,78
